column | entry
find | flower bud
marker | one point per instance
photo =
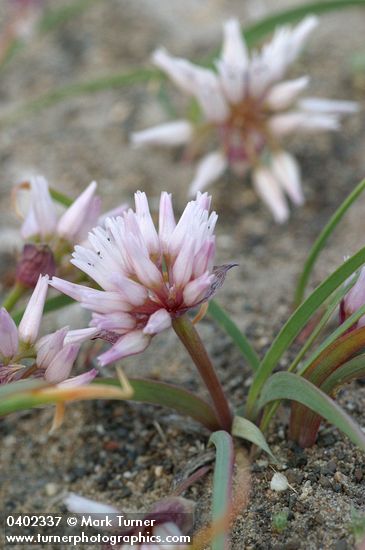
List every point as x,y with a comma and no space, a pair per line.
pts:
36,260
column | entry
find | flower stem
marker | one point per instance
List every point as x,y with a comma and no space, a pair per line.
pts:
195,347
13,296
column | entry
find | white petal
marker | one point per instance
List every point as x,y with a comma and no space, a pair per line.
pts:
43,206
282,95
300,34
234,50
159,321
286,170
178,69
270,191
72,220
80,335
80,505
210,168
170,134
167,223
282,125
233,62
322,105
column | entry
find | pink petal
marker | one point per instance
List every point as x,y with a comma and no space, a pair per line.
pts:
80,380
8,335
132,343
196,290
61,365
48,346
31,320
158,322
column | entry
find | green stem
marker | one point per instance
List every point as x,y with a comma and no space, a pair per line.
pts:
13,296
185,330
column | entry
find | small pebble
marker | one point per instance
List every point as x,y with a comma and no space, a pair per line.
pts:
279,483
51,489
158,471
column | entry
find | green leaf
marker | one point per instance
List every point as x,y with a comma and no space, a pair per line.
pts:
25,395
57,16
322,240
336,334
60,197
168,395
222,486
114,81
245,429
286,385
297,322
51,304
264,26
352,370
234,332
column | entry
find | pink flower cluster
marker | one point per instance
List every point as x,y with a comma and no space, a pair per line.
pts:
51,357
249,108
147,277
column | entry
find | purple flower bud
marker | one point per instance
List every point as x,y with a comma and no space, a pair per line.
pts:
36,260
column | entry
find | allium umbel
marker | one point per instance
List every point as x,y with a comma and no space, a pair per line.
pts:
148,277
249,109
51,357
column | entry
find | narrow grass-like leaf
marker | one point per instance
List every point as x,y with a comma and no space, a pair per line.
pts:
53,97
222,486
286,385
297,322
60,197
322,240
234,332
350,321
351,370
57,16
245,429
52,304
264,26
35,396
168,395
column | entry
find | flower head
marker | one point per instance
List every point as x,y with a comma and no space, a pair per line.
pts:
249,109
148,277
23,354
43,222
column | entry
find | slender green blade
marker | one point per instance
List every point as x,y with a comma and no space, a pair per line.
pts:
297,322
350,321
60,197
351,370
234,332
286,385
322,240
259,30
222,485
245,429
168,395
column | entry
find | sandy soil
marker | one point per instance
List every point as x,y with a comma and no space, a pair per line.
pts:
115,451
